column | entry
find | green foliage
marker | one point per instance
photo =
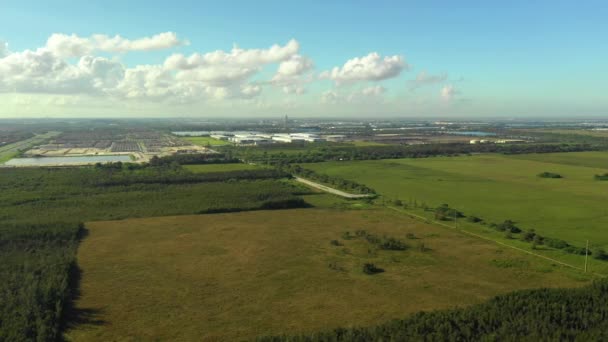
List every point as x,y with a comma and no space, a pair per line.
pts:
334,181
369,268
603,177
474,219
445,213
549,175
509,226
35,269
531,315
600,254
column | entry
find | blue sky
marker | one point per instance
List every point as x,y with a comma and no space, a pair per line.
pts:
490,58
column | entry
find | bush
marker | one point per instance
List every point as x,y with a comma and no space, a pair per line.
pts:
392,244
600,254
371,269
549,175
474,219
556,243
335,243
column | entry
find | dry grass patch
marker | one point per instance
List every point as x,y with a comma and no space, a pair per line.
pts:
229,277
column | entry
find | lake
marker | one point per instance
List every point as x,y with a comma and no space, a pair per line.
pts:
80,160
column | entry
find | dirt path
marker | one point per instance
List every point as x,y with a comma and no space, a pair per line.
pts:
330,190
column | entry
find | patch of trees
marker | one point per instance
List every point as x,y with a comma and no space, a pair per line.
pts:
532,315
445,213
337,153
383,242
179,176
603,177
333,181
35,270
192,159
549,175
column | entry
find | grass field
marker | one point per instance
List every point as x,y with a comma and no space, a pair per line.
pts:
204,141
221,167
229,277
496,188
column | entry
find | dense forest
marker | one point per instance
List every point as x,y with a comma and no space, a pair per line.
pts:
41,210
579,314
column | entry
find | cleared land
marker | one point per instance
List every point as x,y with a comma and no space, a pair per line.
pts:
227,277
204,141
222,167
497,188
9,151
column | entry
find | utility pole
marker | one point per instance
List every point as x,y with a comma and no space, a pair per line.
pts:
586,255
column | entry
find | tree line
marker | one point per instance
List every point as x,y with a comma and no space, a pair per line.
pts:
337,182
579,314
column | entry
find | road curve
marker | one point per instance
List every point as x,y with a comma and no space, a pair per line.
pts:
331,190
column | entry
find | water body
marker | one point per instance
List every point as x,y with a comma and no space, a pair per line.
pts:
80,160
472,133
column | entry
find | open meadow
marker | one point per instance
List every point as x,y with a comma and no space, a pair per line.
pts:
229,277
496,188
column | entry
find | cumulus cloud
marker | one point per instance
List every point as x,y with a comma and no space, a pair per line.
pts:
371,94
237,57
214,75
423,79
292,74
372,67
41,71
64,45
3,49
448,92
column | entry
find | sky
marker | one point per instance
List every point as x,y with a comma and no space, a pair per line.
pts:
304,59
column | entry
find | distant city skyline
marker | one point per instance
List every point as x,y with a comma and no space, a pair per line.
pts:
309,59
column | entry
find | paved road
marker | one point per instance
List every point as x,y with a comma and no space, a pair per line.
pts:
331,190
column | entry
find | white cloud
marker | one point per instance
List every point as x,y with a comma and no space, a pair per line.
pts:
251,90
331,97
373,91
423,78
64,45
293,89
295,66
237,57
448,92
3,49
368,68
371,94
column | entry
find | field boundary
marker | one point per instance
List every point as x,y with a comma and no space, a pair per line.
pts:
425,219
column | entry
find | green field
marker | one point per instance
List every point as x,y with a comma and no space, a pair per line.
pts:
204,141
221,167
497,187
229,277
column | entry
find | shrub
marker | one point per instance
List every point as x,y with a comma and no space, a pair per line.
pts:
371,269
549,175
474,219
392,244
335,243
556,243
600,254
